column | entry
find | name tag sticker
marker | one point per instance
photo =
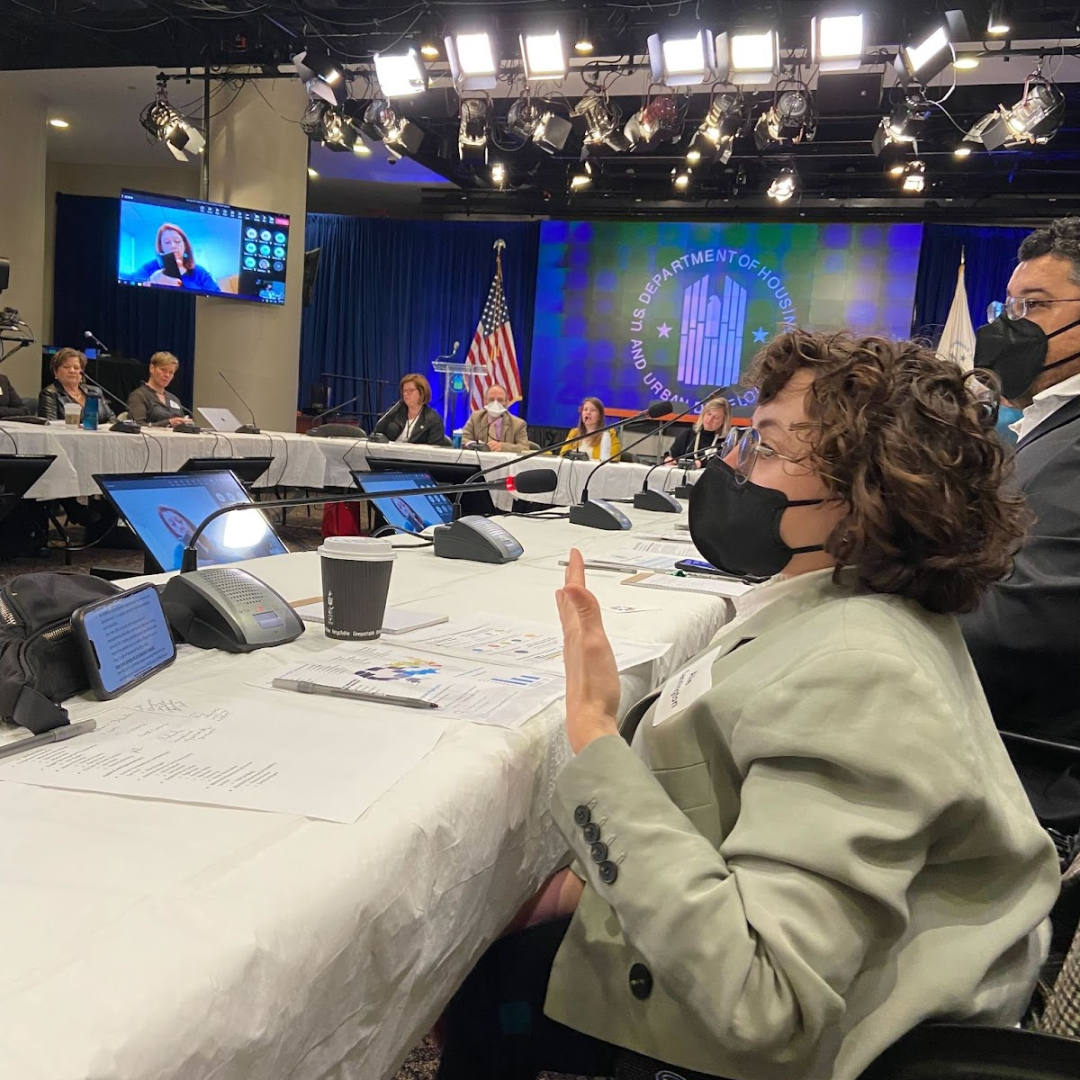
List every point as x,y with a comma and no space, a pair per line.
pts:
683,689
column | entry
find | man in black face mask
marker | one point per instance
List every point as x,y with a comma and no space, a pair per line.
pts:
1025,636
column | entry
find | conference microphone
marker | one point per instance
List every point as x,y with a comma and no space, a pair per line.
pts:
599,513
89,335
243,429
534,482
662,501
331,431
452,353
124,427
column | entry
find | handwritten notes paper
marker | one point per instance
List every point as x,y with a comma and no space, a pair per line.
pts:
264,754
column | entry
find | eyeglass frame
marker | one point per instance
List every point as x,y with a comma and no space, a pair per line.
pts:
740,438
996,308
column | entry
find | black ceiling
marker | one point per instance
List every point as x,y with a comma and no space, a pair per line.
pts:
838,171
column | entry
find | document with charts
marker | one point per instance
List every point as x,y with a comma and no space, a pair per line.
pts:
463,689
519,643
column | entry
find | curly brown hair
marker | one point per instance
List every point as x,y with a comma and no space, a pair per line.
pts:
899,435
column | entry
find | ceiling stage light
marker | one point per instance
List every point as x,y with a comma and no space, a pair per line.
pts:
164,124
532,122
836,42
913,177
931,54
473,129
902,125
748,58
583,42
59,122
499,174
1034,119
790,119
601,122
542,56
400,76
320,75
997,24
582,176
784,185
323,123
382,124
681,180
657,121
472,61
682,60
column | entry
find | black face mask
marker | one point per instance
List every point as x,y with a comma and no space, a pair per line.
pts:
736,526
1014,349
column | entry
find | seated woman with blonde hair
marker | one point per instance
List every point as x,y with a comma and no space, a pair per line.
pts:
707,434
816,841
588,439
152,403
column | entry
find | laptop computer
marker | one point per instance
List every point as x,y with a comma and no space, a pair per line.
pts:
164,509
219,419
410,513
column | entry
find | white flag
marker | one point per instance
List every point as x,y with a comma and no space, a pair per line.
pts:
958,337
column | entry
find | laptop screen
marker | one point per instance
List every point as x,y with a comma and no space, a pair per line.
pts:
164,510
410,512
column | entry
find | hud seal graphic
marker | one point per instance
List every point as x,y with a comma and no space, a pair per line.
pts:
699,316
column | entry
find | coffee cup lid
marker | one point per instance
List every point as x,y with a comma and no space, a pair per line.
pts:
357,547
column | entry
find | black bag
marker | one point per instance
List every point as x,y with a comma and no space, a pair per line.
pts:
40,664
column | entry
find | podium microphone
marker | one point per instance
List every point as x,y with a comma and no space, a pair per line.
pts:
530,483
599,513
243,429
89,335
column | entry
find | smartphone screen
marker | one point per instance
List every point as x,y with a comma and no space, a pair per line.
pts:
126,638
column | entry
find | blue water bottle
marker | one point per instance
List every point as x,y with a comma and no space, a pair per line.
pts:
455,439
90,413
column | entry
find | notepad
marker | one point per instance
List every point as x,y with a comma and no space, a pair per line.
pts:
395,620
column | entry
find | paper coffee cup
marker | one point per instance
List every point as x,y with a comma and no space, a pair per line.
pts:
356,581
72,412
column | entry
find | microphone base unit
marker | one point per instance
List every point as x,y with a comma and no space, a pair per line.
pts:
657,501
247,429
337,431
188,429
475,539
683,491
599,514
126,427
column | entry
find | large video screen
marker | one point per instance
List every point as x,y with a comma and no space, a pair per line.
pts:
637,311
206,248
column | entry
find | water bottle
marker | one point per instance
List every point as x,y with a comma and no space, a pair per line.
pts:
605,446
456,438
90,413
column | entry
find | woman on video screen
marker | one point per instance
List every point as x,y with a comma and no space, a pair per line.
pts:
175,263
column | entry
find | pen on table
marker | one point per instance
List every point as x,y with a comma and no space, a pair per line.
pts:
354,695
58,734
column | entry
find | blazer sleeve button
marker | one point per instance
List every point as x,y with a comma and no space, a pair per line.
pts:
582,817
640,981
599,852
608,873
591,832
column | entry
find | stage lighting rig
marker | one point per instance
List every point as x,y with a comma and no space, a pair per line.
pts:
601,121
716,133
543,56
400,75
836,42
323,123
531,121
322,78
748,58
473,129
657,121
1034,119
472,59
682,60
931,54
783,185
790,119
581,177
912,177
381,123
164,124
903,124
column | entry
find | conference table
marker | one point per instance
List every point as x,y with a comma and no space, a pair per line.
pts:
148,939
299,461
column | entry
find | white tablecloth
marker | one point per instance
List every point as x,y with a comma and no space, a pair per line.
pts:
152,940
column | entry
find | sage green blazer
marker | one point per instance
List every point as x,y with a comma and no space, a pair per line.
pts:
824,845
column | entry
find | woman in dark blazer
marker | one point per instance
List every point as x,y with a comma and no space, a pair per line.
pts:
68,388
413,420
710,430
152,403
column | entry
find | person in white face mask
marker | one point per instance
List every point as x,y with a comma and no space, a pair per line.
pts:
494,427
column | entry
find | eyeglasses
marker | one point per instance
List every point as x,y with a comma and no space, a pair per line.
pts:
1017,307
749,448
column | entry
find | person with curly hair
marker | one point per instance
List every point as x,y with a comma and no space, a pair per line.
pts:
816,841
1025,635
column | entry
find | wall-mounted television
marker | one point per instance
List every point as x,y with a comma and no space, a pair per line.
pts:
202,247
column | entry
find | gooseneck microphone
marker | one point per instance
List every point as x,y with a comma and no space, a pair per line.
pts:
89,335
535,482
663,501
125,427
243,429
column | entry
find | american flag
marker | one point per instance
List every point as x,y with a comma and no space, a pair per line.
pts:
493,345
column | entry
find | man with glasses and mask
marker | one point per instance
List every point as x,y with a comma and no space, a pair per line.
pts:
1025,635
